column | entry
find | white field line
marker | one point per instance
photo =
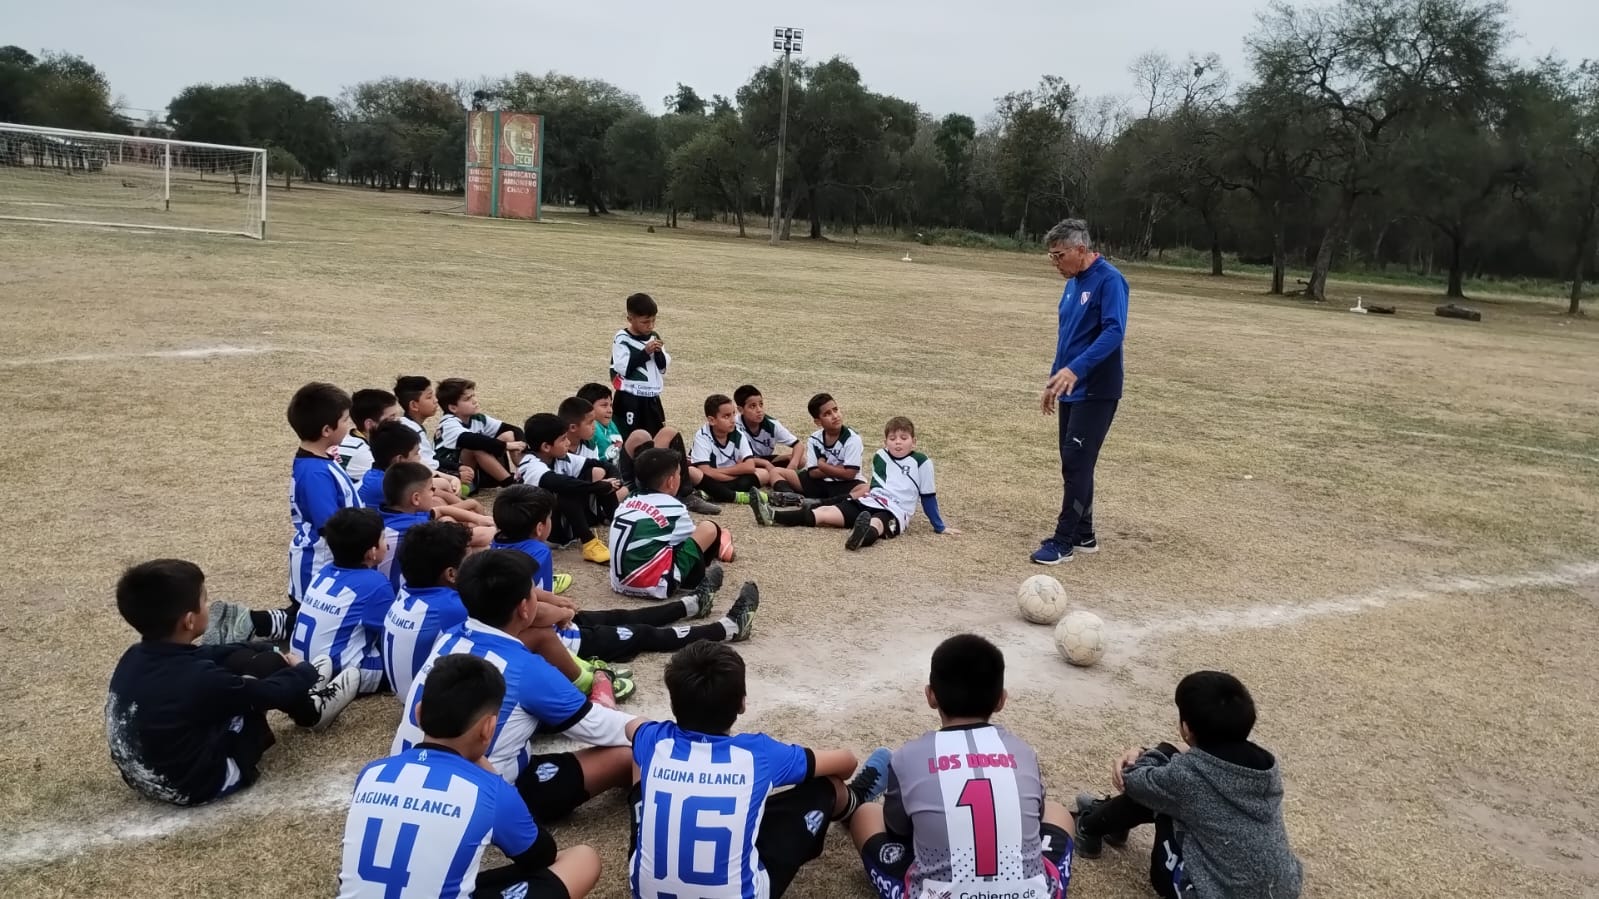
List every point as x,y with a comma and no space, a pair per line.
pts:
204,352
50,841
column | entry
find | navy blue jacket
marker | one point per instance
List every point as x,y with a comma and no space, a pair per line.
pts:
1093,319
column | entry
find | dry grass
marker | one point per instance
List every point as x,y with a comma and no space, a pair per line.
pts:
1441,745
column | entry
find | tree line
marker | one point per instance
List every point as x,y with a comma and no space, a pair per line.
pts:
1365,134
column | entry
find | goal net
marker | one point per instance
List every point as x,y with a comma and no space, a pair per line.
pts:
56,175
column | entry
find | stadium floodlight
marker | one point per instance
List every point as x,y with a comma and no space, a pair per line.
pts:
787,41
127,181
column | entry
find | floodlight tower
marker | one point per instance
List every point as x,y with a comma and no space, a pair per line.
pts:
789,41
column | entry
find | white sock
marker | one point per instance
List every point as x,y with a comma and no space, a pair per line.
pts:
731,626
691,604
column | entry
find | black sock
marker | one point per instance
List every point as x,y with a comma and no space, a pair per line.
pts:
795,518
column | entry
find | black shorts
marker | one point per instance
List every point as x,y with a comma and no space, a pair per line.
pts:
552,786
817,488
637,413
888,862
852,510
510,883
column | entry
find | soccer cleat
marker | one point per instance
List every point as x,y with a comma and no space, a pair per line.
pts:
621,672
871,781
859,534
1085,544
623,688
699,505
324,671
334,695
1051,553
761,508
705,593
561,582
725,547
596,552
781,498
742,612
1090,843
230,623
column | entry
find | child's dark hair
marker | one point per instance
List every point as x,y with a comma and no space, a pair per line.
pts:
429,549
744,394
350,533
519,510
409,388
154,596
714,404
817,402
899,424
1216,707
391,440
706,683
316,407
594,391
494,582
573,410
403,479
968,677
450,391
641,304
369,404
652,467
460,689
543,428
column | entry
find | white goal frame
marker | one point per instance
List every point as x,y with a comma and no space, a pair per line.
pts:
258,156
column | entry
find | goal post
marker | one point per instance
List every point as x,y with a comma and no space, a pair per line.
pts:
124,181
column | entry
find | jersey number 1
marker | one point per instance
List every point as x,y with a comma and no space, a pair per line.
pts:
977,797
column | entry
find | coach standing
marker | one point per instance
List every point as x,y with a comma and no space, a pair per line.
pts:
1086,380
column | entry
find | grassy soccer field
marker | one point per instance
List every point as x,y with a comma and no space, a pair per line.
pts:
1385,525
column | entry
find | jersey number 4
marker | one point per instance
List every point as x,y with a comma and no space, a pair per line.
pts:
397,874
977,797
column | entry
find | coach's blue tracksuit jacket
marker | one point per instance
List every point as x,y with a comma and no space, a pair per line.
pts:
1093,318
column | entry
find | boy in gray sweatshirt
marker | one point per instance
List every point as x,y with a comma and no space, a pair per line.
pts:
1217,807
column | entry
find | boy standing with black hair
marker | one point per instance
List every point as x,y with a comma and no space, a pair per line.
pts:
638,369
468,437
578,518
319,413
965,811
428,604
187,724
341,617
696,766
497,588
430,810
607,440
1217,807
656,548
833,453
368,409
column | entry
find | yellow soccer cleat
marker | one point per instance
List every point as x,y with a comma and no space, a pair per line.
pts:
595,551
561,582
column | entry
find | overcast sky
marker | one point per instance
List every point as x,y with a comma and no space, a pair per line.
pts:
946,56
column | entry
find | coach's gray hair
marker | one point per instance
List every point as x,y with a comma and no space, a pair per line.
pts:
1072,232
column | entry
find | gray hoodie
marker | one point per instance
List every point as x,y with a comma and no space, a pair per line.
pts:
1227,805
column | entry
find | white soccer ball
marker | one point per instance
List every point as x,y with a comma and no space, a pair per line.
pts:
1080,637
1042,599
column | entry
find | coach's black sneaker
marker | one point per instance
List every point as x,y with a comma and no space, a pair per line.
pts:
861,533
742,612
1085,544
1089,842
699,505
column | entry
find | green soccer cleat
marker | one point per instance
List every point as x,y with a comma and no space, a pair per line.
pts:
742,612
761,508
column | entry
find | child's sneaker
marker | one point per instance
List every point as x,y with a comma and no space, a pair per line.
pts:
1091,843
859,534
699,505
871,781
761,508
335,695
230,623
596,551
561,582
742,612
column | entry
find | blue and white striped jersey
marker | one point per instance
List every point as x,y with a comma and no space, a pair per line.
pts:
702,797
318,487
341,617
395,524
418,824
544,579
537,697
411,626
370,488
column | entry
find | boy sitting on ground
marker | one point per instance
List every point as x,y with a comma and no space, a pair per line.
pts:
656,548
420,402
1217,807
497,587
320,416
468,437
368,409
695,765
428,604
766,435
581,461
965,813
341,617
577,519
832,454
442,797
187,724
394,442
607,440
902,478
408,501
691,477
722,454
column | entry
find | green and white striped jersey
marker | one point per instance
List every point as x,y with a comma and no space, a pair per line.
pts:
634,372
649,541
898,485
